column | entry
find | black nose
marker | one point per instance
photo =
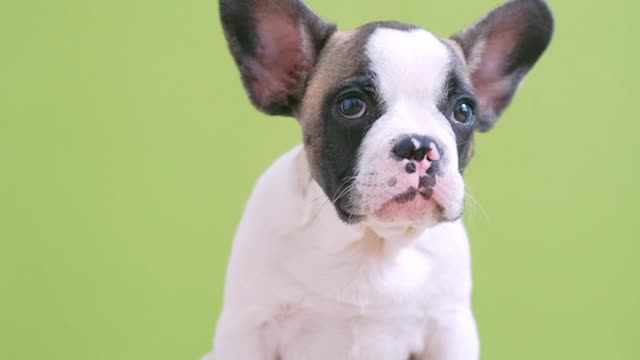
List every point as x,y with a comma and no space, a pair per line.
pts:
416,147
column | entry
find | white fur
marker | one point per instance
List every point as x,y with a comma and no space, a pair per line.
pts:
303,285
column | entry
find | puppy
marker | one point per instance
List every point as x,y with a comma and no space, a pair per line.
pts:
351,245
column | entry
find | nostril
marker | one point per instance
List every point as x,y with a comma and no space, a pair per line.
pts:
405,148
420,153
433,154
416,148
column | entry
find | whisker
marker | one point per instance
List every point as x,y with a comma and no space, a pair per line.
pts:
464,142
478,205
323,195
316,199
345,191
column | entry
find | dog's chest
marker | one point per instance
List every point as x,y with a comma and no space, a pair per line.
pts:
383,333
379,313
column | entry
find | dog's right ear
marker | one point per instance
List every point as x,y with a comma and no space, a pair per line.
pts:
275,44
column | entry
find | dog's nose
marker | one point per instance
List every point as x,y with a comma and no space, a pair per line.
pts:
417,147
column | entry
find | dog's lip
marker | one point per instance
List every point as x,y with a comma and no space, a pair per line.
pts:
410,196
411,193
346,216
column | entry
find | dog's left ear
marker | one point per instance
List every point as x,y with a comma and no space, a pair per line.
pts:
276,44
500,49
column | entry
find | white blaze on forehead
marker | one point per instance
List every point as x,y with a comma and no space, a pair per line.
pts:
408,64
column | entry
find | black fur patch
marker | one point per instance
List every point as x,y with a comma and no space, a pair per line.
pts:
456,88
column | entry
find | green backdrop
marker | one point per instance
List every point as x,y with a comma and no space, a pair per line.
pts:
124,171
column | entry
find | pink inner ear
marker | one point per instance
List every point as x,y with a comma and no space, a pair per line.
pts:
492,84
280,60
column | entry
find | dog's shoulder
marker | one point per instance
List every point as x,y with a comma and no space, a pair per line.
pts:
278,192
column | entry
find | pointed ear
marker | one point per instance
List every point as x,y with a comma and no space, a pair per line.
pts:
500,49
275,44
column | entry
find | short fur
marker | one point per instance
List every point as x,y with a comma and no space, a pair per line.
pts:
384,271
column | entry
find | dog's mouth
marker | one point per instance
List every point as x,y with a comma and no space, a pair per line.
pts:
426,183
415,203
411,194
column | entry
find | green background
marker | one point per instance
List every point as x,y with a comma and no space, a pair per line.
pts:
124,171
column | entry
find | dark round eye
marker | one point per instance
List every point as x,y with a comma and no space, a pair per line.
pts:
463,111
353,106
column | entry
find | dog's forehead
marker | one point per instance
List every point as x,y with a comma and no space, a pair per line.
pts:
411,64
404,60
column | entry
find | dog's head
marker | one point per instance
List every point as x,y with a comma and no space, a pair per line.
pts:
388,110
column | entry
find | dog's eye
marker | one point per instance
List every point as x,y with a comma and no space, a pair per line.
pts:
463,111
353,106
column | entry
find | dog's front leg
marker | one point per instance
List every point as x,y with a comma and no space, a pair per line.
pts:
455,338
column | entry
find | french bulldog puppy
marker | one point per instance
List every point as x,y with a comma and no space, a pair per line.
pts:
352,244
